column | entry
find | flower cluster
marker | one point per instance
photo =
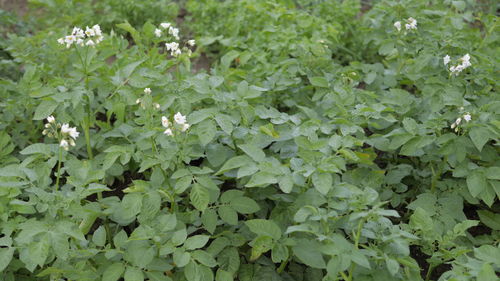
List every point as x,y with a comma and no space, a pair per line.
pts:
66,135
467,117
411,23
456,69
180,123
147,92
89,37
173,47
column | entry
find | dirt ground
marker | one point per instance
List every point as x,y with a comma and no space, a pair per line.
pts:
18,6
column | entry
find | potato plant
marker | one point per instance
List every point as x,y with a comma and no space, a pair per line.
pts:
283,140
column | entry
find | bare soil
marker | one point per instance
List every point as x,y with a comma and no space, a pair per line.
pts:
19,7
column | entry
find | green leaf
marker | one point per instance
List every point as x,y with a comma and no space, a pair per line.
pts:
244,205
196,242
44,109
476,182
133,274
319,81
113,272
262,179
99,237
410,125
209,220
487,273
233,163
322,182
307,251
228,215
206,131
36,148
286,183
129,28
204,258
254,152
223,275
479,136
269,130
490,219
6,255
199,197
181,258
264,227
225,123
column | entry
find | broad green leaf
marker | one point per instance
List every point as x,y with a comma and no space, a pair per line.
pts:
319,81
490,219
244,205
264,227
308,253
196,242
129,28
133,274
262,179
223,275
224,121
209,220
322,182
199,197
477,183
6,255
254,152
479,136
228,215
36,148
206,131
233,163
99,236
44,109
113,272
181,258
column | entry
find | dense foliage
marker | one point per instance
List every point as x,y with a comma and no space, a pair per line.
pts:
291,140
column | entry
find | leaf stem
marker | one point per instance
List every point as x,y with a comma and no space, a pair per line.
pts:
58,167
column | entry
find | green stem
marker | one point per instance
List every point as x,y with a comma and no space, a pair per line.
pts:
356,245
86,128
58,168
429,272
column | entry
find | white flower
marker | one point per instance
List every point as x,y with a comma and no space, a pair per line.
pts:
397,25
172,46
174,32
97,30
164,122
446,59
191,42
467,117
165,25
176,52
179,118
65,128
185,127
458,121
138,101
60,41
156,105
64,144
90,43
90,32
158,32
73,133
147,91
51,119
465,61
168,132
412,24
